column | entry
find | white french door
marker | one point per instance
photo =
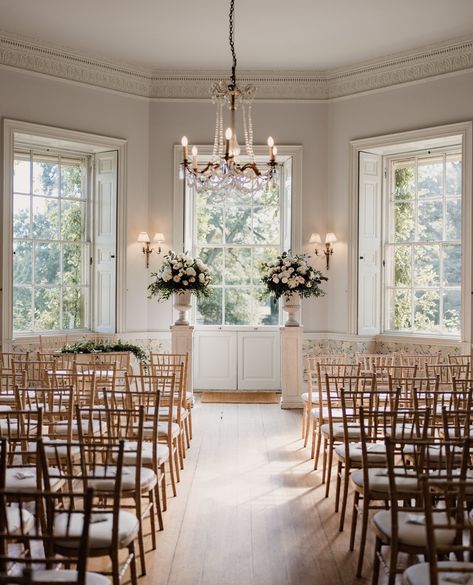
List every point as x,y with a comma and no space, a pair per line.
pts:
236,360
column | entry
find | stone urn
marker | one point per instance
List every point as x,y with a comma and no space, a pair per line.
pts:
291,305
182,302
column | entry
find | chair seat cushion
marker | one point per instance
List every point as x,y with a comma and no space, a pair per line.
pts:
419,574
19,524
164,410
376,453
148,430
61,427
379,482
412,530
162,453
23,479
128,477
56,452
67,575
337,413
339,433
100,531
437,454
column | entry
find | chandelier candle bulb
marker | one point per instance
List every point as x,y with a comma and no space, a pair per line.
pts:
194,157
228,137
270,145
184,143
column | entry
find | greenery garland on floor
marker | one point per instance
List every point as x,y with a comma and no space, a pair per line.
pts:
105,347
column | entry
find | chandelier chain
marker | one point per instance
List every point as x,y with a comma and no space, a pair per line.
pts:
232,43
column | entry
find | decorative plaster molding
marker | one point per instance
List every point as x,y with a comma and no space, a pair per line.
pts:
428,62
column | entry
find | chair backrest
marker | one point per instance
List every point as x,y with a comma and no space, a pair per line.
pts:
172,397
55,520
22,429
341,391
61,361
446,373
49,343
396,372
453,515
6,359
419,360
459,359
457,424
84,385
36,371
8,382
369,361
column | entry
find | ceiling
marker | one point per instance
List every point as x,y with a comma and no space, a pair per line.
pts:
297,35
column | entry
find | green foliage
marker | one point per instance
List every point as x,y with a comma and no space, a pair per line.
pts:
105,347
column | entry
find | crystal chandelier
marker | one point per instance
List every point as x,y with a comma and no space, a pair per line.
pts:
224,171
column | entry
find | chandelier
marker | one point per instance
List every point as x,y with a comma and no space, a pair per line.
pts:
224,171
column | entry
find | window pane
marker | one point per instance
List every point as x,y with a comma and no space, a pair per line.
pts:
21,176
454,175
266,225
45,219
237,263
237,197
47,309
238,305
430,220
21,216
22,308
452,311
22,263
73,308
452,273
209,310
71,179
46,175
427,310
238,225
402,266
266,311
404,222
47,263
430,177
72,220
268,196
213,257
453,218
426,266
72,265
400,310
209,225
261,255
404,180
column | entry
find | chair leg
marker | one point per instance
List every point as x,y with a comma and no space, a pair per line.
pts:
131,552
338,484
159,512
329,468
376,561
319,441
187,432
152,513
304,418
116,569
364,532
175,451
392,565
141,538
324,461
171,472
181,450
163,488
354,518
307,429
189,410
346,483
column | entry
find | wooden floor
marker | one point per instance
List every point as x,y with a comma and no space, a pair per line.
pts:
250,510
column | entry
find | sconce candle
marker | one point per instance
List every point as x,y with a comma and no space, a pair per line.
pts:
143,238
330,239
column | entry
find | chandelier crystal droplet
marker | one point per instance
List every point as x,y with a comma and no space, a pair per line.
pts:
224,171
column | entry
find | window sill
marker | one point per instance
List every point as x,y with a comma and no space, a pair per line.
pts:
420,339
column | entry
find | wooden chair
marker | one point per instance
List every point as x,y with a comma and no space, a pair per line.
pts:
370,361
100,467
6,359
409,385
446,373
310,398
84,385
48,343
36,372
35,547
459,359
403,528
138,482
419,360
8,382
320,414
452,519
63,362
399,373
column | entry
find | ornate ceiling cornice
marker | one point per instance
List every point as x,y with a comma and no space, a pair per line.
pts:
428,62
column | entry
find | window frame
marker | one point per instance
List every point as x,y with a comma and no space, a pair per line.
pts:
182,234
15,131
387,218
385,144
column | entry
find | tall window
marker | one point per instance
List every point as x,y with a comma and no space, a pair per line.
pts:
233,233
50,241
423,243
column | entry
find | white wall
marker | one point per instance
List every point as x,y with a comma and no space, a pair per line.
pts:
421,105
38,99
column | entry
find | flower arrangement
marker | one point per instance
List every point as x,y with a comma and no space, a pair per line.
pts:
292,273
180,273
90,346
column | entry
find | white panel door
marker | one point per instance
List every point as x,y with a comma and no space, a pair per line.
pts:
215,360
259,360
105,241
369,244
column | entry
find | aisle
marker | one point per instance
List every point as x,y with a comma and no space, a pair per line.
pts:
249,509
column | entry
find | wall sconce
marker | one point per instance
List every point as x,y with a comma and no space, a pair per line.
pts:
329,240
144,239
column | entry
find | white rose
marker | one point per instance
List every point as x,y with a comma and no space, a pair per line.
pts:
185,282
275,279
167,276
202,277
177,278
284,280
190,272
191,279
290,270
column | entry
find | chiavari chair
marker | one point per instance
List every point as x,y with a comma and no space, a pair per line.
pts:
459,359
310,398
138,482
348,454
320,413
419,360
105,376
49,343
449,532
446,373
333,432
370,361
36,371
100,466
6,359
399,373
8,382
84,385
402,528
370,482
63,362
408,385
35,538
